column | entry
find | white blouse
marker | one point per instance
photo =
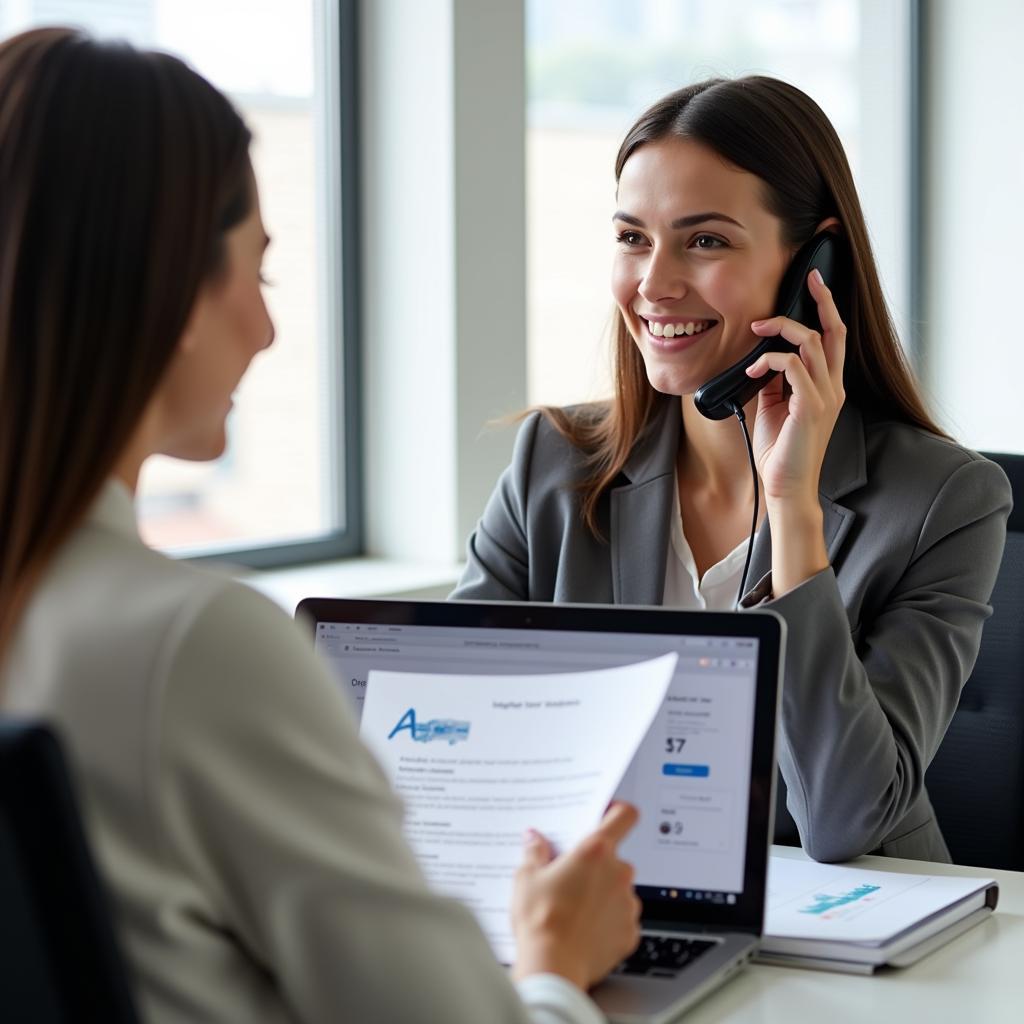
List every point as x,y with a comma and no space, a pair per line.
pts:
684,588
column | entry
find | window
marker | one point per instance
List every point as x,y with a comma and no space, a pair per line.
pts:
593,67
972,165
286,488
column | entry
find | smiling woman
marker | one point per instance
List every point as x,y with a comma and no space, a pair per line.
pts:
708,271
879,538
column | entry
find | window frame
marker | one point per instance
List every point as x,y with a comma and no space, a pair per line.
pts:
342,306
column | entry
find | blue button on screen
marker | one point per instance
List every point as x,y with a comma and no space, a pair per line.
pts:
696,771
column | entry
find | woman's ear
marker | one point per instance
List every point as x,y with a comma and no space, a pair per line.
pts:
190,336
187,343
830,224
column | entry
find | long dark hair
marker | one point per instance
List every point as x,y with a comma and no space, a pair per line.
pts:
778,133
120,172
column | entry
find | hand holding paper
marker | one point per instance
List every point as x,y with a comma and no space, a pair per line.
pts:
481,759
577,915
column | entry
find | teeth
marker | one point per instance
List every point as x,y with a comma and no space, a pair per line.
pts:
677,330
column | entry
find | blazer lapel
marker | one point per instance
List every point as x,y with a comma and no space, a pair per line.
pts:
640,531
843,470
641,510
837,522
760,557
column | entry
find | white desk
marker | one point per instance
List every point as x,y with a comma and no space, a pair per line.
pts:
977,979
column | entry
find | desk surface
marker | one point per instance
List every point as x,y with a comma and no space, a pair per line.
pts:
977,978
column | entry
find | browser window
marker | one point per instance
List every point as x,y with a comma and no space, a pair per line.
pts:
690,777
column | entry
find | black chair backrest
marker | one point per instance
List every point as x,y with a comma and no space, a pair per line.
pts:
59,958
976,781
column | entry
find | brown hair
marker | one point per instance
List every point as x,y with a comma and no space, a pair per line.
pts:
778,133
120,172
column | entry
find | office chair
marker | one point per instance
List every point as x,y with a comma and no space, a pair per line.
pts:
976,781
59,958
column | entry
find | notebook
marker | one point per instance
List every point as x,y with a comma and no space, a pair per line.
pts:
857,920
703,777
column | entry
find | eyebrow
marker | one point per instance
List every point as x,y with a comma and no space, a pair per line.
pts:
680,222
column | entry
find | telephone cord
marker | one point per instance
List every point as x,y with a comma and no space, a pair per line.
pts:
737,411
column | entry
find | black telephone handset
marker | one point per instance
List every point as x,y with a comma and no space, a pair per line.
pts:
732,387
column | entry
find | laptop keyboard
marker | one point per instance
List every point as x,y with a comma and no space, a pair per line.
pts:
663,956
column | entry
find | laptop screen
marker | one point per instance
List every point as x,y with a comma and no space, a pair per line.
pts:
703,801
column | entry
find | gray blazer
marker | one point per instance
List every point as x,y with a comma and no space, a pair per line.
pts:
879,645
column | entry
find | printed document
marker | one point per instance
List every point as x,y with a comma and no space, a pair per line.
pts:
478,760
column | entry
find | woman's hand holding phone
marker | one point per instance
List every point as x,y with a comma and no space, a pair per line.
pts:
796,414
577,915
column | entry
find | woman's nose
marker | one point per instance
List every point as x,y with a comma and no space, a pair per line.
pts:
663,281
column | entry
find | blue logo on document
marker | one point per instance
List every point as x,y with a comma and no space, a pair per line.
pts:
436,729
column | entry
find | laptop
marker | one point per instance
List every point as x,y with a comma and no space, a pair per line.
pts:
703,777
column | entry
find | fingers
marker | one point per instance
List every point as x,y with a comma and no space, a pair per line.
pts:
536,850
828,312
578,915
618,822
632,911
797,376
828,315
823,354
832,326
807,340
636,910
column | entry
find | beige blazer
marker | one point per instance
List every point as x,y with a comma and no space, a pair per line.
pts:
252,848
878,646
